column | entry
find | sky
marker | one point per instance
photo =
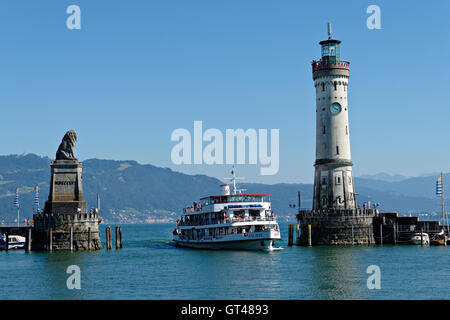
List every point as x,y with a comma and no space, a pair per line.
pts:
138,70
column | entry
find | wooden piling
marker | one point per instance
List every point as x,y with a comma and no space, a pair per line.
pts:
381,233
71,239
353,236
297,232
309,235
291,235
108,238
395,233
7,241
50,239
28,245
118,238
421,236
89,238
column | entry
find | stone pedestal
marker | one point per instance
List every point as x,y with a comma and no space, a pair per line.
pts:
65,213
337,227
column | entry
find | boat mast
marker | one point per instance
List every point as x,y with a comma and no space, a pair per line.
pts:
233,179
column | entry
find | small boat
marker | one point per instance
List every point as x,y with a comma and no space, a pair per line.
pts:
418,237
14,242
439,240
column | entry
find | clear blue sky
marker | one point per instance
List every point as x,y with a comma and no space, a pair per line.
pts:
137,70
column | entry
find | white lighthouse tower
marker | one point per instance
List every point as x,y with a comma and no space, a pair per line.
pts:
335,218
333,181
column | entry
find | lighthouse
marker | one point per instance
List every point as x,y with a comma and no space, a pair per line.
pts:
333,179
335,217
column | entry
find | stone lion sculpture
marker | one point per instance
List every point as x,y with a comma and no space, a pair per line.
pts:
65,150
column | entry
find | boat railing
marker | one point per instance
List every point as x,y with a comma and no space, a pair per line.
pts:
201,222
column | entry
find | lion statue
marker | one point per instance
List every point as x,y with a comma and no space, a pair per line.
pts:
65,150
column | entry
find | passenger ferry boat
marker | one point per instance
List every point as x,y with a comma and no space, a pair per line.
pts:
228,221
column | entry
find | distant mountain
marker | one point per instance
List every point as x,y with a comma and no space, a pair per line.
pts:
132,192
383,177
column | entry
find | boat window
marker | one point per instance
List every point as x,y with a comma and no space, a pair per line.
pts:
248,198
254,213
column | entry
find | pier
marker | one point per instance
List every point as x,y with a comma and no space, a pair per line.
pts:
389,228
31,235
11,230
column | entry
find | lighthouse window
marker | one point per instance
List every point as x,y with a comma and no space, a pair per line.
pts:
323,86
346,130
337,149
324,130
335,86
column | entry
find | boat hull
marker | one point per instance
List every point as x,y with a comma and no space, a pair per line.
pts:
416,240
12,246
259,244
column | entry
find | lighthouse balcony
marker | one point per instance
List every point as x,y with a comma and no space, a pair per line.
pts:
335,212
327,65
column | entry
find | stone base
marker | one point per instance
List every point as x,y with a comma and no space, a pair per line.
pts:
337,227
85,232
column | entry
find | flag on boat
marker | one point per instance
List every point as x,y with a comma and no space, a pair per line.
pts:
439,186
16,199
36,198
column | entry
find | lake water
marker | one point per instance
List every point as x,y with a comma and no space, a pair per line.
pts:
149,267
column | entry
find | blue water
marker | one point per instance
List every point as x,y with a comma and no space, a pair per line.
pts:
149,267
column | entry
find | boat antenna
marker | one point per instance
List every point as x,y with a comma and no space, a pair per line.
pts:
233,180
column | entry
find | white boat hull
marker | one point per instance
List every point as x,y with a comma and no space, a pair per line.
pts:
15,242
249,241
416,240
260,244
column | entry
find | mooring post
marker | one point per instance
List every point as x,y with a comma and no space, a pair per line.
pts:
106,234
7,241
29,240
108,238
297,242
353,236
381,233
395,233
421,236
89,238
71,238
291,235
50,239
117,238
309,235
120,236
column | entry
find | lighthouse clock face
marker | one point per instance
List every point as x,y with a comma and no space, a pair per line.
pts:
335,108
